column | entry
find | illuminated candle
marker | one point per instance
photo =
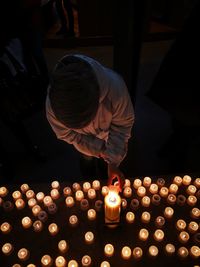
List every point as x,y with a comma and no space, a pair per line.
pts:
147,181
23,254
109,250
160,182
67,191
145,217
195,252
98,205
171,199
53,229
52,208
96,185
76,187
55,185
91,214
86,186
126,253
124,203
104,190
153,189
16,195
112,206
89,237
178,180
73,220
134,204
7,249
146,201
170,249
46,261
26,222
55,194
6,228
63,246
160,221
191,190
168,212
153,251
16,265
91,193
137,253
37,226
137,183
47,201
73,263
141,191
173,189
60,261
36,209
24,188
79,195
127,182
193,227
30,194
191,200
183,252
69,201
159,235
143,234
180,200
105,264
86,261
184,237
7,205
3,191
130,217
180,225
197,182
164,191
186,180
156,199
32,202
127,192
31,265
43,216
195,213
40,196
84,204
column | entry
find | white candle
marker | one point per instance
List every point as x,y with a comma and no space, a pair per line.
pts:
16,195
159,235
7,249
69,201
197,182
127,192
47,201
170,249
55,185
63,246
60,261
32,202
86,186
191,200
67,191
36,209
53,229
109,250
6,228
173,189
183,252
40,196
26,222
86,261
16,265
195,252
171,199
126,253
3,191
163,191
130,217
73,263
193,227
146,201
153,189
168,212
153,251
105,264
37,226
46,261
147,181
137,253
145,217
143,234
127,182
23,254
91,214
30,194
141,191
91,193
186,180
191,190
89,237
55,194
195,213
112,206
96,185
79,195
73,220
31,265
124,203
20,204
137,183
24,188
104,190
76,187
184,237
178,180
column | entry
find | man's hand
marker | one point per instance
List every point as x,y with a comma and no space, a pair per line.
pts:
114,172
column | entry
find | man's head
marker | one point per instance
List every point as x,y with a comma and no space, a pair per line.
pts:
74,92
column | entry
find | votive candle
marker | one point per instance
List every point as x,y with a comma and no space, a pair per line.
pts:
145,217
73,263
183,252
130,217
184,237
137,183
76,187
36,209
42,216
84,204
37,226
98,205
55,185
67,191
3,191
73,220
109,250
91,214
63,246
112,206
137,253
16,195
180,225
186,180
147,181
69,201
197,182
191,200
53,229
6,228
79,195
173,189
40,196
178,180
153,251
195,213
168,212
159,235
143,234
86,186
164,191
60,261
195,252
89,237
23,254
30,194
91,193
105,264
86,261
126,252
127,192
146,201
52,208
7,249
193,227
24,188
141,191
96,185
26,222
46,261
47,201
55,194
104,190
32,202
170,249
191,190
153,189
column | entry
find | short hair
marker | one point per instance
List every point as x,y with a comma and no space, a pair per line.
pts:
74,92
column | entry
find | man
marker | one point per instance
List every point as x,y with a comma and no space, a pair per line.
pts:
88,106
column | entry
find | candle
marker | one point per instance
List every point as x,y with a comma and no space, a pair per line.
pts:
124,203
156,199
145,217
181,200
7,205
96,185
37,226
16,265
84,204
30,194
46,261
104,190
159,235
26,222
195,252
72,263
24,188
36,209
153,251
191,190
79,195
168,212
170,249
184,237
164,191
86,186
23,254
98,205
134,204
73,220
126,253
191,200
91,193
112,206
40,196
180,225
178,180
3,191
197,182
146,201
130,217
16,195
160,182
173,189
160,221
105,264
137,183
91,214
109,250
6,228
186,180
171,199
63,246
43,216
127,182
55,194
32,202
60,261
143,234
147,181
89,237
76,187
69,201
86,261
141,191
137,253
53,229
67,191
183,252
52,208
31,265
7,249
153,189
195,213
127,192
193,227
47,201
55,185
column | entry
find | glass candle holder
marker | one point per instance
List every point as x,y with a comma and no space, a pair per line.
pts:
69,201
55,194
24,188
183,252
191,200
153,251
86,186
145,217
20,204
186,180
17,265
26,222
126,253
180,200
178,180
191,189
63,246
153,189
130,217
159,235
7,249
134,204
46,261
84,204
40,196
47,201
143,234
73,263
137,253
16,195
6,228
23,254
89,237
193,227
36,209
195,213
73,220
104,190
55,185
168,212
160,221
96,185
30,194
60,261
3,191
91,214
173,189
32,202
37,226
195,252
124,203
98,205
156,199
86,261
164,192
67,191
76,187
146,201
79,195
181,225
147,181
91,193
137,183
127,192
197,182
170,249
160,182
171,199
127,182
109,250
184,237
105,264
141,191
53,229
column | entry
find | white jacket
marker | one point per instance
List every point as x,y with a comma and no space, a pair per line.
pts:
111,128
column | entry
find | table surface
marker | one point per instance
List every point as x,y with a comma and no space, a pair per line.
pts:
125,234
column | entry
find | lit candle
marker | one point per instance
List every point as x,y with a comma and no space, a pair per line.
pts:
186,180
16,195
43,216
127,192
197,182
160,221
141,191
32,202
137,183
134,204
73,220
98,205
137,253
67,191
183,252
171,199
184,237
86,186
60,261
91,214
52,208
36,209
24,188
55,194
126,253
159,235
47,201
46,261
191,200
124,203
180,200
109,250
130,217
16,265
3,191
164,191
63,246
37,226
7,249
26,222
147,181
178,180
168,212
84,204
76,187
160,182
31,265
40,196
6,228
153,189
112,206
143,234
180,225
127,182
195,252
89,237
30,194
156,199
96,185
146,201
79,195
191,190
55,185
173,189
91,193
145,217
53,229
105,264
170,249
23,254
153,251
73,263
193,227
69,201
7,205
86,261
195,213
104,190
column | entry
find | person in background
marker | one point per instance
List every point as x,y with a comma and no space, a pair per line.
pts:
88,106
